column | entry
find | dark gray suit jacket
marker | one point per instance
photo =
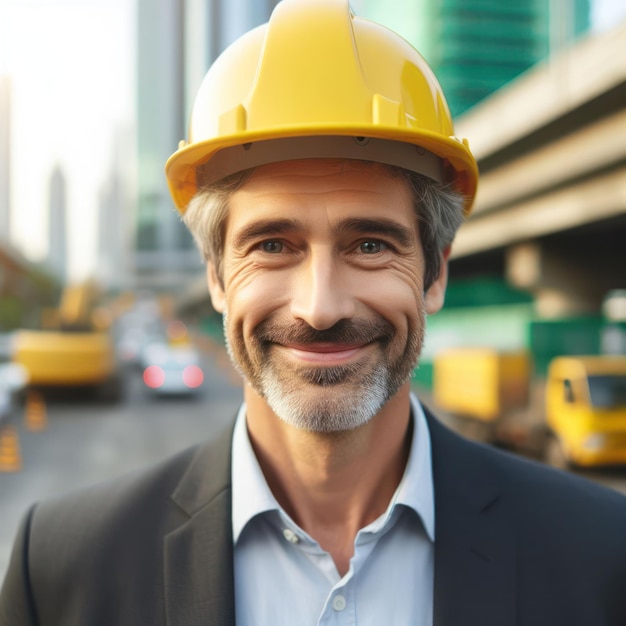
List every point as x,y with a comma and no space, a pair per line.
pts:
516,544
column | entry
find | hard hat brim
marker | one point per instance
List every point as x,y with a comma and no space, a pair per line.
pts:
423,152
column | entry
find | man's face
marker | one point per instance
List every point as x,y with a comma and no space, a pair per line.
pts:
322,290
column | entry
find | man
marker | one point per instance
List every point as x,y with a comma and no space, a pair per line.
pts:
324,185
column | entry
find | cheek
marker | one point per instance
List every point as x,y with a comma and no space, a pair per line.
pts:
397,296
252,296
403,304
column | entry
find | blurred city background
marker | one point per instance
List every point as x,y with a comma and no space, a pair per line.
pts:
110,353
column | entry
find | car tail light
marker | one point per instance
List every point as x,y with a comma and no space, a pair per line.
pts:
153,376
193,376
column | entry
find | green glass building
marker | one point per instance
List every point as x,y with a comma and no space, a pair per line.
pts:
477,46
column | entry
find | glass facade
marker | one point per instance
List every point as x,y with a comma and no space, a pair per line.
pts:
476,47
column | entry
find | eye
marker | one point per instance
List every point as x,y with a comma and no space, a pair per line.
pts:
272,247
371,247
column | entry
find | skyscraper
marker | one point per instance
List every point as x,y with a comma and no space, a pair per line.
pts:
164,252
57,229
113,269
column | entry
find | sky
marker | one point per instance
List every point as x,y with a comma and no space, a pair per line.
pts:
72,63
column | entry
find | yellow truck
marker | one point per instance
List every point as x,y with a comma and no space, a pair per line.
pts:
74,349
586,410
576,416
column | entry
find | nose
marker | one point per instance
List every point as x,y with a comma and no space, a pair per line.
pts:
322,296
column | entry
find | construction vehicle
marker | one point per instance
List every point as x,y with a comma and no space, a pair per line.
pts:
586,410
576,416
73,348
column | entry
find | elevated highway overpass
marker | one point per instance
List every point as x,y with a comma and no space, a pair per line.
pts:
550,214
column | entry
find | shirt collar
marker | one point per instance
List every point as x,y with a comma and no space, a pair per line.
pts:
252,495
416,489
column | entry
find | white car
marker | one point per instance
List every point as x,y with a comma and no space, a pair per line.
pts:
172,370
13,379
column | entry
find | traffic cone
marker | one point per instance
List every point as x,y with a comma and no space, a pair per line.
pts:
10,458
35,415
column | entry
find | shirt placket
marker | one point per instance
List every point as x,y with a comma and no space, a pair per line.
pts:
340,607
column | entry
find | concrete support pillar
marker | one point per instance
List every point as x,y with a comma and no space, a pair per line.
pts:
561,279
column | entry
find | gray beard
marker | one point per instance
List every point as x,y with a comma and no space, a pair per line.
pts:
328,410
328,399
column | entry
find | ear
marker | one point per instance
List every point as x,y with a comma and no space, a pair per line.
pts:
216,288
435,296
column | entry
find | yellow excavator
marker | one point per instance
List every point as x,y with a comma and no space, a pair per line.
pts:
73,348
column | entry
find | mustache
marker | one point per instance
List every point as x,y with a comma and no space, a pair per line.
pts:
343,332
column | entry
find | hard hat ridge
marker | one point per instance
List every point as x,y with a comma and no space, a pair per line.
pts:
321,69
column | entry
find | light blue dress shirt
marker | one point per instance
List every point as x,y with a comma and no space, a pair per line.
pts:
284,578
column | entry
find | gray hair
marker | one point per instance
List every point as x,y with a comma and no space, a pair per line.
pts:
438,208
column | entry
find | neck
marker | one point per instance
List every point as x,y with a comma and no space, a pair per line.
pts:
332,484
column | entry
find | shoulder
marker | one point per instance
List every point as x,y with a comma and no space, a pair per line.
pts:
530,486
77,546
526,489
122,518
564,531
130,491
134,510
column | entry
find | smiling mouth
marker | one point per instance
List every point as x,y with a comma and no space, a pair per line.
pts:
325,353
346,343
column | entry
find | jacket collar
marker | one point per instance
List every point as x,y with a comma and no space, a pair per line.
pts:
475,555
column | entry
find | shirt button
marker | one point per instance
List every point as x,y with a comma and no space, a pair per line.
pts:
339,603
290,536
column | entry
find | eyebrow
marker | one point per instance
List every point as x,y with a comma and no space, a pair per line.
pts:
380,226
265,228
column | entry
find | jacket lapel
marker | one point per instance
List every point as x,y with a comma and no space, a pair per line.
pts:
198,555
475,555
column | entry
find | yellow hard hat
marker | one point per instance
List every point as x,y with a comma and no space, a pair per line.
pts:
318,81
